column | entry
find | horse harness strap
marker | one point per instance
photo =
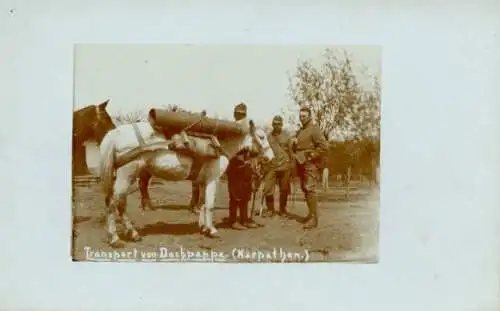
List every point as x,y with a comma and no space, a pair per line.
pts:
215,142
141,141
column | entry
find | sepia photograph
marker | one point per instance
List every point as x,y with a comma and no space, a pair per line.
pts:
335,155
226,153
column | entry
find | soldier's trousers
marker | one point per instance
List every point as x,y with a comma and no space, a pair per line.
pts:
282,178
235,206
309,175
240,192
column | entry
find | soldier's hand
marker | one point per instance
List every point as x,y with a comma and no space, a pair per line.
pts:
311,156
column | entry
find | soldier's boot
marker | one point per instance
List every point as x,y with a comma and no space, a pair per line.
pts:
237,226
283,200
312,219
233,205
270,212
308,217
245,220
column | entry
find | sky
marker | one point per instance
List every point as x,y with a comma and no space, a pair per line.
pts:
199,77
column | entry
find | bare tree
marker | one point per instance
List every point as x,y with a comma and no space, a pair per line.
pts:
130,117
175,107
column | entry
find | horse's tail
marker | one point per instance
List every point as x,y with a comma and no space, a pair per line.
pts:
107,166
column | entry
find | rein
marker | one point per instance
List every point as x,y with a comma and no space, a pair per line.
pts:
203,114
212,137
98,117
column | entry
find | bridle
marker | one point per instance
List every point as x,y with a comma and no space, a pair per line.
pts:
98,120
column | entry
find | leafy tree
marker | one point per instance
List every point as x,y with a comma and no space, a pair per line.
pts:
347,111
341,106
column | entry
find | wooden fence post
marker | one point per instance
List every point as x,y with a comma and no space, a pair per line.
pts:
348,183
325,176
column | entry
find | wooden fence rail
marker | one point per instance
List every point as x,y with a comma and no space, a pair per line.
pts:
85,180
90,180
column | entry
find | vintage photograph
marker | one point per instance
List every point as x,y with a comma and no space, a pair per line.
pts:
226,153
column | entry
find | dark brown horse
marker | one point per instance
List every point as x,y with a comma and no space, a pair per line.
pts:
90,123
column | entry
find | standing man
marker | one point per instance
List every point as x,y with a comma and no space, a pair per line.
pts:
279,169
239,175
309,146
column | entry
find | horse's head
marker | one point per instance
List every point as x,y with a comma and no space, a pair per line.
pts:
92,123
258,142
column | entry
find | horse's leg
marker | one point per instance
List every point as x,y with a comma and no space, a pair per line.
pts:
144,178
210,191
117,202
202,215
195,197
130,231
128,177
111,208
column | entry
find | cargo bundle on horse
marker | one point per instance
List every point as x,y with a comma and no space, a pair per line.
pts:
177,121
194,132
173,146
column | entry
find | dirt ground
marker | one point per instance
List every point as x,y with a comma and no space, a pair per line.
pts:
348,230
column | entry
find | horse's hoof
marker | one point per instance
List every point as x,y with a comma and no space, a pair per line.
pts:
203,230
213,235
117,244
146,206
134,236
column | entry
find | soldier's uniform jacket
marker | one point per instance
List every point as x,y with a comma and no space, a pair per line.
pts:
310,144
281,146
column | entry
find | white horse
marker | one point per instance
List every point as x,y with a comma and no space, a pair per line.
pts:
167,165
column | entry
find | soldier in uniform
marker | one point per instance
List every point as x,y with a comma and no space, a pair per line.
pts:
279,169
239,175
309,146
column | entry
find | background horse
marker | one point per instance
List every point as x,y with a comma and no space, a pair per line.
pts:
167,165
89,124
